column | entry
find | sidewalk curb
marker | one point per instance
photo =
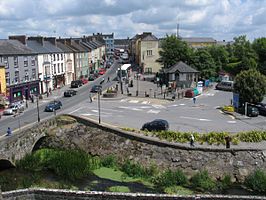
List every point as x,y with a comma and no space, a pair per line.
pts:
243,117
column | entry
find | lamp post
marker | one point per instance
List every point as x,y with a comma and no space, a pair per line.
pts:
99,106
137,92
121,84
46,81
38,111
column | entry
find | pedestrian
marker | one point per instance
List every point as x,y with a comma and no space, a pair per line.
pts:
227,142
108,79
8,131
192,140
194,100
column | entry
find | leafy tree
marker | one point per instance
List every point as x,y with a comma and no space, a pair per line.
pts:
259,45
242,55
220,56
174,50
204,62
251,86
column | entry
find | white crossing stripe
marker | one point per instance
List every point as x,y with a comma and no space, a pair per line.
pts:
158,106
154,111
133,101
145,102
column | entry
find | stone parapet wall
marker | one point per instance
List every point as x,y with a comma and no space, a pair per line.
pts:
46,194
101,140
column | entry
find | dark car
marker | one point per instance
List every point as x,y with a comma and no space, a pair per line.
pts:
70,93
252,111
53,105
262,108
156,125
76,84
96,88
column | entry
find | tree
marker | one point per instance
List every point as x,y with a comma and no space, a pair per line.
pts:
220,56
174,50
204,62
250,85
259,45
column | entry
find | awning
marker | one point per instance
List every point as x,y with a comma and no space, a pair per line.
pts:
125,66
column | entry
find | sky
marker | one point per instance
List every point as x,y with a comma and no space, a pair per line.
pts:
219,19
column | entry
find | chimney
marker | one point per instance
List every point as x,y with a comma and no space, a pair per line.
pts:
38,39
51,39
21,38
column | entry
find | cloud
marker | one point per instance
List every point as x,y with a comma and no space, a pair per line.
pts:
223,19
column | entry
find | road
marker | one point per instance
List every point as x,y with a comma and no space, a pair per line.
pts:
30,115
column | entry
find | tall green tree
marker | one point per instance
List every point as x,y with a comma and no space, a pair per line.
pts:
174,50
204,63
242,56
259,45
220,56
250,85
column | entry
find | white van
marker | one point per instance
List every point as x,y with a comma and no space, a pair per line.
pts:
225,85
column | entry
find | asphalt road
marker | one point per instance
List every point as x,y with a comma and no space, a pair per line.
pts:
29,116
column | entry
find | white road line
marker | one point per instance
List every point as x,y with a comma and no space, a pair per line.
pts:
123,100
154,111
111,110
130,108
144,107
75,110
158,106
145,102
182,104
175,105
231,122
133,101
199,119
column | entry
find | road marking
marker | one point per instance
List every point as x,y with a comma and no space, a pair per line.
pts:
199,119
144,107
111,110
158,106
75,110
130,108
175,105
182,104
133,101
123,100
145,102
154,111
231,122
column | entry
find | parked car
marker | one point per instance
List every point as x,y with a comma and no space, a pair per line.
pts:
76,84
53,105
156,125
252,111
225,85
189,93
102,71
262,108
96,88
84,81
14,108
70,93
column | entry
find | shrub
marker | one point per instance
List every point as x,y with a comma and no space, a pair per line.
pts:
202,181
225,183
256,181
170,178
109,161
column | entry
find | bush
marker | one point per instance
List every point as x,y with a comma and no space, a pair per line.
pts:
170,178
225,183
257,181
109,161
203,182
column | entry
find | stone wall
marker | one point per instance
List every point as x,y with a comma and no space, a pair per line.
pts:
45,194
102,141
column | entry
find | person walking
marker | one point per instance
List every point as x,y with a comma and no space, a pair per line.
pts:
108,79
8,131
192,140
90,97
194,99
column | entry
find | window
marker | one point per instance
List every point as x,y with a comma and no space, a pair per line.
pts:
7,78
58,67
57,56
26,75
1,59
33,74
148,70
32,60
6,62
25,61
16,79
54,68
61,56
54,57
62,67
15,61
149,52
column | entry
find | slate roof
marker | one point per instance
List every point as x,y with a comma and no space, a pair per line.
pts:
88,45
149,38
121,42
13,47
199,39
181,67
47,47
64,47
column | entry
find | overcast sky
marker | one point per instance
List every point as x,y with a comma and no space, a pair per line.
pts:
220,19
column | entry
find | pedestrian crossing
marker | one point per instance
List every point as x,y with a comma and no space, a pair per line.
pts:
135,101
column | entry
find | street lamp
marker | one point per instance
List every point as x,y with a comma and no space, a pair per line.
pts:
99,106
46,81
38,111
121,84
137,92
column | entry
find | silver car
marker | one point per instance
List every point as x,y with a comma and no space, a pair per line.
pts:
14,108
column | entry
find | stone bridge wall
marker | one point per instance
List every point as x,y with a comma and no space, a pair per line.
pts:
45,194
102,141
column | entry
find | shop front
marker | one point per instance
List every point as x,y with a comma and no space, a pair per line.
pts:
17,92
59,81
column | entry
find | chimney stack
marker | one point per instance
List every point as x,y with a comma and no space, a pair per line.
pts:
21,38
38,39
51,39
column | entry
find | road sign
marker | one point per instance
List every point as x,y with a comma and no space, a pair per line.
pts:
235,100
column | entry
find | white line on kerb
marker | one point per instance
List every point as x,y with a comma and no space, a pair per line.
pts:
75,110
199,119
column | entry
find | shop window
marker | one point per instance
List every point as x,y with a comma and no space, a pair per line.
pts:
148,70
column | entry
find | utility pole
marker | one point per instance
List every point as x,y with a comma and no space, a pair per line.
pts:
46,82
38,111
99,106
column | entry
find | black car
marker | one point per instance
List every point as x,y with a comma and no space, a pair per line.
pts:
96,88
252,111
262,108
156,125
53,105
76,84
70,93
